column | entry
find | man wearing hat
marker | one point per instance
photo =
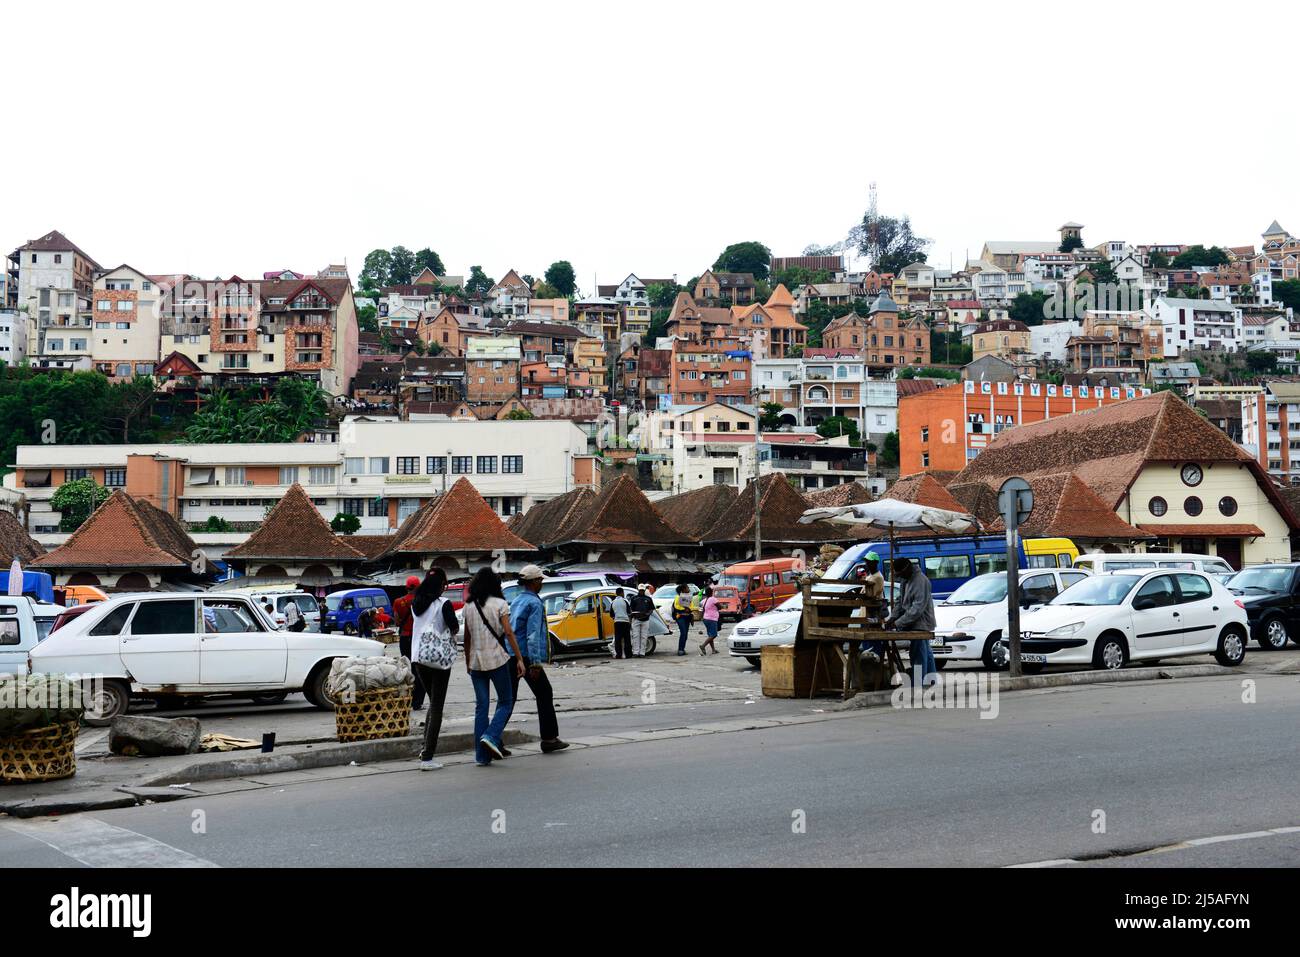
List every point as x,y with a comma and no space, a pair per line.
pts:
528,622
404,618
873,586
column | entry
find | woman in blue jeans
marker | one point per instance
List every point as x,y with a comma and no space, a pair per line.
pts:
489,647
683,615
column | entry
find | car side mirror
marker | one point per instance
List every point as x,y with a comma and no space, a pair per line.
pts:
1143,603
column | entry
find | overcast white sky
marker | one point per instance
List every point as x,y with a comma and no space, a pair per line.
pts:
217,138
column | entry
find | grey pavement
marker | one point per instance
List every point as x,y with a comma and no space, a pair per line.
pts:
1100,774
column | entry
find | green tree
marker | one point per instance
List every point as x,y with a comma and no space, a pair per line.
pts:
544,290
662,295
560,275
401,266
1029,308
368,318
426,257
888,456
1158,259
1261,363
1103,273
751,257
798,276
76,500
374,271
520,414
479,282
888,242
345,524
215,523
770,418
1287,292
1070,243
1200,256
838,425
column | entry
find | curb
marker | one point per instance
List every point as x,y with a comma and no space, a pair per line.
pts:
877,699
327,756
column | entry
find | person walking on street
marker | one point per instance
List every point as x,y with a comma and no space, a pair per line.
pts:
712,619
293,620
914,612
622,613
641,608
683,615
405,617
490,646
432,620
528,621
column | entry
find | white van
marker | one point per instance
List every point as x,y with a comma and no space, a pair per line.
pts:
1099,562
279,598
19,633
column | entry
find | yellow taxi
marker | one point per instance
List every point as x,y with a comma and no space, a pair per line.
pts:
583,621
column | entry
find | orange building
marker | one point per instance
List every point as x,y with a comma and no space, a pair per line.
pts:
718,370
944,429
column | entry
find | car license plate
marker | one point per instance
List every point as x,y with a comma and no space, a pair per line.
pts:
1033,659
740,644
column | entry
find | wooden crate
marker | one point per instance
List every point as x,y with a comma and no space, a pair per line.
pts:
835,617
788,671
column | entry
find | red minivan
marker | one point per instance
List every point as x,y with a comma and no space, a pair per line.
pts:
762,585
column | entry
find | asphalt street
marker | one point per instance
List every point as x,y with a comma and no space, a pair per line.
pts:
1097,775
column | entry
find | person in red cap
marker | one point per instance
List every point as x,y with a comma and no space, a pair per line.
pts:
404,617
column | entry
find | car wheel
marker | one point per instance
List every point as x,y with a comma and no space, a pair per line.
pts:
1232,648
274,697
997,653
110,699
650,645
555,646
1110,653
755,660
314,688
1273,636
349,630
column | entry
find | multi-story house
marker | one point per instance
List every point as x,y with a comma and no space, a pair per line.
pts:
126,312
55,281
549,310
539,339
600,316
736,288
509,296
1004,338
1270,429
771,327
895,339
995,284
633,294
492,369
689,319
589,356
1197,324
13,336
825,383
715,370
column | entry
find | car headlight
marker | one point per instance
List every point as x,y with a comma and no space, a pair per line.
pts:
776,629
1065,631
966,622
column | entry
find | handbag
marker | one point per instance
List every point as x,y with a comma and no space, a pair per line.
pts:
434,648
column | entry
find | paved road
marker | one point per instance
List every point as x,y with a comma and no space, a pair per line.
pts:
1165,762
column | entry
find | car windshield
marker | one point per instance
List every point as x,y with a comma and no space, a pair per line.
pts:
43,627
842,566
665,591
554,604
1262,579
980,591
332,602
1102,590
735,581
793,603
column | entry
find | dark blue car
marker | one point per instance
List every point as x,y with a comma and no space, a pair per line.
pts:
344,608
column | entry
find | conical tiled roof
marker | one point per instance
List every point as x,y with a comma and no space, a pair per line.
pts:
545,523
780,507
295,530
922,489
123,533
457,521
619,514
846,493
15,542
697,511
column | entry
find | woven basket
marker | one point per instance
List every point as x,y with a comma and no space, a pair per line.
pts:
379,713
42,754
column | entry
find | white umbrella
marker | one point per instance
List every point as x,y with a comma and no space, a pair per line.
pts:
15,579
891,513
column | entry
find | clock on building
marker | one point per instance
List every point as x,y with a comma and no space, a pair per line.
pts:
1192,474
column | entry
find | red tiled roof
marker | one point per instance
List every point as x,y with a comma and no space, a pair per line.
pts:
123,533
780,507
457,521
695,512
923,489
1065,508
294,529
372,546
1202,531
846,493
55,242
15,542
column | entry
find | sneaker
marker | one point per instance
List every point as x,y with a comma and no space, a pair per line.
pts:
430,765
491,746
483,764
680,653
505,753
556,745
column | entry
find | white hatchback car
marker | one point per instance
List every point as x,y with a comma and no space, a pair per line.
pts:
971,623
1142,615
168,646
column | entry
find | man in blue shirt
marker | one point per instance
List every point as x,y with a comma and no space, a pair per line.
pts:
528,622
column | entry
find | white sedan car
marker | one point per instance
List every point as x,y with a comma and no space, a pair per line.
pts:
1109,620
971,623
166,647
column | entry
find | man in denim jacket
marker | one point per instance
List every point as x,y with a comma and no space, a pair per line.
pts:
528,622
